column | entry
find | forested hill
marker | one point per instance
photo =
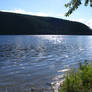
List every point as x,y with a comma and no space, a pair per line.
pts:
12,23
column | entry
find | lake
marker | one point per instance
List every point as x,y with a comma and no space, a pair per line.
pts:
36,63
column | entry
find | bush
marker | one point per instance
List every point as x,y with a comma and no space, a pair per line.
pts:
79,80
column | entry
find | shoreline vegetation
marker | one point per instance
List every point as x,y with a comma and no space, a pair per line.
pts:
78,80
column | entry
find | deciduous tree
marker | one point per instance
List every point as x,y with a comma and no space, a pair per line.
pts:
74,4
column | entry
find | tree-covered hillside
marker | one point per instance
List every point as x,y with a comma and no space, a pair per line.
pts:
12,23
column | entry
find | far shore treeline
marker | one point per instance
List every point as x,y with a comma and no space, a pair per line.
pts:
21,24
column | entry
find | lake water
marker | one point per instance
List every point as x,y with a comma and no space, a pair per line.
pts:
36,63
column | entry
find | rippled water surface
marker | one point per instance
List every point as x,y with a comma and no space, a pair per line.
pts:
37,63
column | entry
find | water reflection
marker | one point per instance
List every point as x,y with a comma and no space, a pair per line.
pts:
36,62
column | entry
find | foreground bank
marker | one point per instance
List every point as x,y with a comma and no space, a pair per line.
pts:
78,80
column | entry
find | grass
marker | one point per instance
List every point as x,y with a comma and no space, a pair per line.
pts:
79,80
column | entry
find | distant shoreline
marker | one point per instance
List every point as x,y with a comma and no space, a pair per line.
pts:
21,24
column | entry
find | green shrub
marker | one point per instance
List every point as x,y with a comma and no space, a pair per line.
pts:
79,80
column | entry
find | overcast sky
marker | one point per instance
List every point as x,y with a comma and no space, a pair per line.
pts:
53,8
